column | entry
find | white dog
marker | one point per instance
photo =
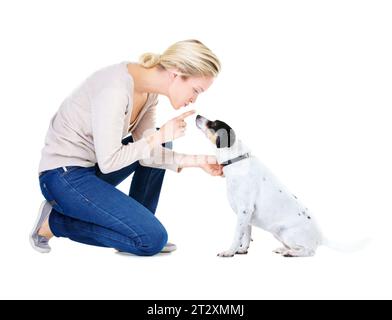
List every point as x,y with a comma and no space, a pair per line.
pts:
259,199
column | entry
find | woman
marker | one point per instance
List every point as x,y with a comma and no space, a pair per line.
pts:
105,131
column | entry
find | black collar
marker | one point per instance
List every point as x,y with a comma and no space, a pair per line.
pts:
231,161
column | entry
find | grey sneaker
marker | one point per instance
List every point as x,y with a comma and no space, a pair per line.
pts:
169,247
40,243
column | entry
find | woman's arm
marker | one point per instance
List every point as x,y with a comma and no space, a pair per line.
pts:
205,162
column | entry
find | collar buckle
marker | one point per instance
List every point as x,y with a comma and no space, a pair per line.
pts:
239,158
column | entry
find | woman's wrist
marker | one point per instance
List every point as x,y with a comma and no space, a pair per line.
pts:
154,140
189,161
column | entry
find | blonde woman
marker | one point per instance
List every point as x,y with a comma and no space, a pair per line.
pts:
105,131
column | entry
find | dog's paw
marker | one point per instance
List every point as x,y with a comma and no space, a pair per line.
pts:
242,251
226,254
282,251
289,255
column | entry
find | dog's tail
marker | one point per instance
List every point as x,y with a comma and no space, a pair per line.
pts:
347,247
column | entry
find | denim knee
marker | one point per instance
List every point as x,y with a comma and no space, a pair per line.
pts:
157,240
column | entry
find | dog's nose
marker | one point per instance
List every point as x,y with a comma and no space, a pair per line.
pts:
198,116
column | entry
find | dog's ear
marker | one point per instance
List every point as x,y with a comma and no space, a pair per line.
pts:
218,142
225,138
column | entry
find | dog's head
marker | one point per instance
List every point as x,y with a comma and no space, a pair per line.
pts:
218,132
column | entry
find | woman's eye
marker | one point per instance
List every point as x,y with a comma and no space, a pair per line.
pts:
195,91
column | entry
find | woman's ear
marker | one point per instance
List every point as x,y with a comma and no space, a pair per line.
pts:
172,74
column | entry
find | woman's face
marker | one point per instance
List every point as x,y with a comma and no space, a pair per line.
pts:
185,91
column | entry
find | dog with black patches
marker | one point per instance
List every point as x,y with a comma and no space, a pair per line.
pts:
258,198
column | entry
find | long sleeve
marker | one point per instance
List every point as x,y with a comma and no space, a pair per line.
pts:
162,158
108,109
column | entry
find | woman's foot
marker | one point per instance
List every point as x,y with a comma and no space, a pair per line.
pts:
40,235
45,231
169,247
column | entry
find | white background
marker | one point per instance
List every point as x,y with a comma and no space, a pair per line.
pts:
305,84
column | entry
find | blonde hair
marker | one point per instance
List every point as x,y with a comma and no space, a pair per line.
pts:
189,57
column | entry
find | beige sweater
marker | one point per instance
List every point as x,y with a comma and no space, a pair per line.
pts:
90,124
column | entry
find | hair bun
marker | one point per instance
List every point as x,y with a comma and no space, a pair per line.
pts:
149,60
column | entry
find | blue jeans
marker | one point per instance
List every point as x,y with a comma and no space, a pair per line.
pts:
88,208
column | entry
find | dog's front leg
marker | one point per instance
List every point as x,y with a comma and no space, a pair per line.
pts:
242,230
245,241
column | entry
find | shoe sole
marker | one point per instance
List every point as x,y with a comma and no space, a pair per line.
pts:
169,249
31,240
39,249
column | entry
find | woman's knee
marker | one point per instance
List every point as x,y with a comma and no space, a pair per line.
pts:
156,239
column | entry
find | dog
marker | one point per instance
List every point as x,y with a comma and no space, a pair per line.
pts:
258,198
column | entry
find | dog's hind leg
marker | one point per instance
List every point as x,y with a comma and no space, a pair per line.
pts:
299,252
298,244
281,251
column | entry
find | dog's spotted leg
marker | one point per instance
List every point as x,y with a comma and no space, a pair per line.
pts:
244,217
245,241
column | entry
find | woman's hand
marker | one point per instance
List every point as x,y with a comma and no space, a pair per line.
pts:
174,128
171,130
212,169
211,166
